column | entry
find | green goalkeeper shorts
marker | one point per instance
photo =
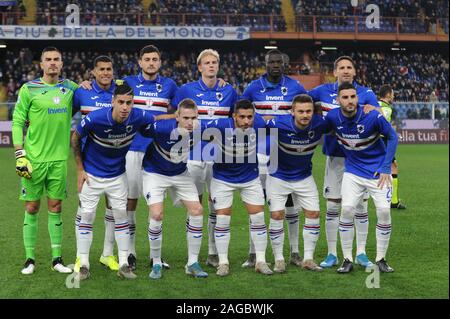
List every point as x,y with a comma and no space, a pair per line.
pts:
51,176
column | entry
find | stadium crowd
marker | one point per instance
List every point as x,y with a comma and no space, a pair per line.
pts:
415,76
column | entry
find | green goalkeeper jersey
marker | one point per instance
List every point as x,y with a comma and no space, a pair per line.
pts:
386,108
48,107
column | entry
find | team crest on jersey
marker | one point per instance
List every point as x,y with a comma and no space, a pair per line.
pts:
219,96
211,112
360,128
129,128
284,90
311,134
56,99
275,106
149,102
158,87
63,90
253,137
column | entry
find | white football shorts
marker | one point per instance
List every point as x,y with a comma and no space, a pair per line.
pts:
114,188
181,187
304,193
222,193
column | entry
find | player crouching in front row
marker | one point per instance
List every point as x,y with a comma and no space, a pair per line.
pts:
101,169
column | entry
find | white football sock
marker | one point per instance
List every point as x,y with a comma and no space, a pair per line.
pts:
122,235
155,240
311,231
276,233
293,228
259,235
361,227
332,225
108,245
212,250
222,234
194,238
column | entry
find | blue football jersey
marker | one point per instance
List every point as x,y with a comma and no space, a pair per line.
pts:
153,97
295,146
327,94
362,143
107,142
168,153
87,101
236,160
270,98
212,103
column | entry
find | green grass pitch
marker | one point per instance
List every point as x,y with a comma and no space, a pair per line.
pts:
418,249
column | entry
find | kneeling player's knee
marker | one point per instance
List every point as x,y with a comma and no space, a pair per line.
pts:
196,210
278,215
384,215
348,212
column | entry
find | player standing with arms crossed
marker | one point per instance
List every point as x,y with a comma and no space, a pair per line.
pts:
41,160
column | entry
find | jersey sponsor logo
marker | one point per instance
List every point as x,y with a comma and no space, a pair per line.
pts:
108,130
210,103
43,93
94,97
334,94
263,90
199,95
99,104
143,93
290,134
340,127
139,86
57,110
274,98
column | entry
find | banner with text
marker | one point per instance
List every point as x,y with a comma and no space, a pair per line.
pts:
123,33
433,136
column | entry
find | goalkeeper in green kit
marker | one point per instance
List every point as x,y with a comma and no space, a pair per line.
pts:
41,158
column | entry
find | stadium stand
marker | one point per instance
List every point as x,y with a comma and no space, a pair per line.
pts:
416,77
12,13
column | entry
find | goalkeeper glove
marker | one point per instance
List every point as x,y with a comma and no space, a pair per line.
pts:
23,165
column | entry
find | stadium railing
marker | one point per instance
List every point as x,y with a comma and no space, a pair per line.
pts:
257,22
